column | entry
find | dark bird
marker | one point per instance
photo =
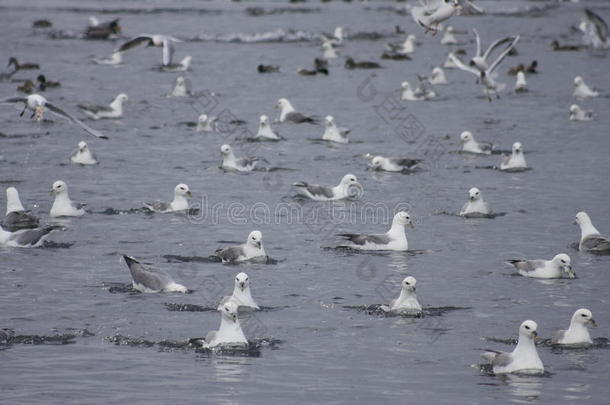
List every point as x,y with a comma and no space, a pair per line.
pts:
558,47
44,84
42,24
25,66
268,69
97,30
352,64
27,87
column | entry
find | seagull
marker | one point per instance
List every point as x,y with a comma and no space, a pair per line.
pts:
37,104
478,68
157,40
252,249
422,92
406,47
265,132
475,206
438,76
22,66
347,188
407,302
480,60
448,37
553,268
182,66
63,206
521,84
329,51
148,279
516,160
206,124
83,155
333,133
471,146
114,110
179,203
577,334
392,164
394,239
242,295
16,216
595,30
448,63
288,113
182,87
524,359
115,59
229,334
336,38
97,30
590,238
578,114
581,90
26,238
431,14
230,162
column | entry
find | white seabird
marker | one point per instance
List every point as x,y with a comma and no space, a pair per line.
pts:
523,359
288,113
83,155
329,51
182,66
230,333
407,302
431,14
182,87
252,249
470,145
392,164
407,47
265,132
582,90
438,76
347,188
333,133
595,30
17,217
63,206
475,206
554,268
448,37
394,239
579,114
206,123
590,238
113,110
231,163
26,238
156,40
516,160
179,203
37,104
578,333
521,84
242,296
148,279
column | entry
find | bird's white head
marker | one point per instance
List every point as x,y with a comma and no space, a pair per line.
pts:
59,187
225,149
466,136
182,190
264,120
255,239
578,81
403,218
474,194
242,281
229,311
408,284
564,262
528,329
517,147
584,316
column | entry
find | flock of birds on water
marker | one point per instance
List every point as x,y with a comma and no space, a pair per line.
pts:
20,228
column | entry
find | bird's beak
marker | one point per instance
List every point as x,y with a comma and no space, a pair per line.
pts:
593,323
257,244
52,192
189,194
471,198
242,286
574,222
410,225
535,334
234,317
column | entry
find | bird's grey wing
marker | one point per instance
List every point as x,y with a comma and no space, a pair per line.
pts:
94,108
58,111
463,67
405,162
77,205
316,190
501,359
230,254
495,45
596,243
29,237
158,205
148,276
477,40
559,335
503,54
527,265
17,220
132,43
485,146
362,239
298,118
600,25
14,100
168,51
245,161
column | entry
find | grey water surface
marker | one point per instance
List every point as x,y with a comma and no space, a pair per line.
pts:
98,343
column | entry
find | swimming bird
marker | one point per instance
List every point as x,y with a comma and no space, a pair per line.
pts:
577,334
470,145
516,160
333,133
149,279
432,13
242,296
350,63
180,202
27,87
113,110
289,114
521,83
438,76
475,206
22,66
252,249
26,238
448,37
522,68
392,164
102,30
479,67
448,63
406,47
230,333
577,113
265,132
523,359
590,239
407,302
595,30
37,104
63,206
558,47
83,155
182,66
116,58
422,92
206,124
43,83
554,268
17,217
394,239
268,69
230,162
157,40
182,87
329,51
582,90
347,188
